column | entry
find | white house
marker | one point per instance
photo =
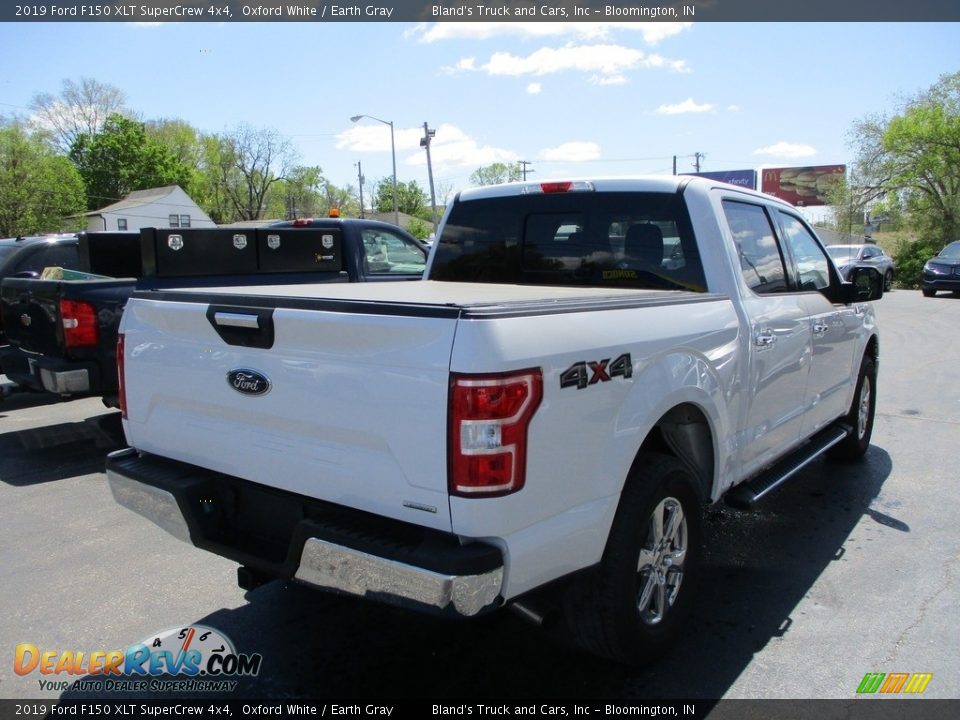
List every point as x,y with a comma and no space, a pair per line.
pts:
167,206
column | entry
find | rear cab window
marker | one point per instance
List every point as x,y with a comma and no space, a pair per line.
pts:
638,240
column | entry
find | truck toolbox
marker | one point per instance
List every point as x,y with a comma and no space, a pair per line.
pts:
285,535
300,250
201,251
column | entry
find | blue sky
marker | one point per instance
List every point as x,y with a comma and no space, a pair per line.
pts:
574,99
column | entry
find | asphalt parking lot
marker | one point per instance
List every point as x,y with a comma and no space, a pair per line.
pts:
847,570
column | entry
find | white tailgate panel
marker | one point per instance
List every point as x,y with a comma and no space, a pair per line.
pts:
356,414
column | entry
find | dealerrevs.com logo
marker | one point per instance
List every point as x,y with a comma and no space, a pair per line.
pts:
183,659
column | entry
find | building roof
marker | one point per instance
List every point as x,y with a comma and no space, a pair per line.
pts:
138,198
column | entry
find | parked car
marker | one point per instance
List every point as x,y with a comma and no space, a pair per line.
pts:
943,271
848,257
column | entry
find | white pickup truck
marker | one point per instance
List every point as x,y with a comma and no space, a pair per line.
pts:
538,424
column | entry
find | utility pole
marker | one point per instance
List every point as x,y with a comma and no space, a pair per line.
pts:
428,135
360,180
697,157
523,168
674,164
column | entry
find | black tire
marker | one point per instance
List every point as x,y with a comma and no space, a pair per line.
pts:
861,414
928,292
888,281
634,605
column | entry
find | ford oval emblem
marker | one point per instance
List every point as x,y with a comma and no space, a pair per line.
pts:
249,382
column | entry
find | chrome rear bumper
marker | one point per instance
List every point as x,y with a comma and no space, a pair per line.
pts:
158,491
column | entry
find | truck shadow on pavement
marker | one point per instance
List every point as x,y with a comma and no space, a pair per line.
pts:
56,452
759,566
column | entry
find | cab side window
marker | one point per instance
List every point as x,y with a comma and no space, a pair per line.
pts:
813,267
389,254
761,263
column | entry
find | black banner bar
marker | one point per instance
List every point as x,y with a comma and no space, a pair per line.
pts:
493,11
853,709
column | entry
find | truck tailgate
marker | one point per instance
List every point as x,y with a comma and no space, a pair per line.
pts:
341,401
31,316
31,312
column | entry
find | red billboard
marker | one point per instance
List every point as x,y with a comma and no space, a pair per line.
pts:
801,185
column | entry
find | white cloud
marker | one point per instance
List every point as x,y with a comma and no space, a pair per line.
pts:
733,108
577,151
607,63
450,147
534,88
652,33
371,136
616,79
786,150
685,107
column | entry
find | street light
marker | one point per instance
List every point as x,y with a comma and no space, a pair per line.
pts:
393,153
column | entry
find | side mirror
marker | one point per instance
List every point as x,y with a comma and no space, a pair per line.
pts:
866,284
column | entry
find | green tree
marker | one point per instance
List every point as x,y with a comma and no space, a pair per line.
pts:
209,190
912,159
495,173
242,166
411,198
184,141
122,158
38,188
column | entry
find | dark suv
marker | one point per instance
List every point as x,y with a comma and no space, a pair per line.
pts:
26,257
943,271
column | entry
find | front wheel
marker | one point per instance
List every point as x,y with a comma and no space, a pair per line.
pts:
861,415
888,281
634,605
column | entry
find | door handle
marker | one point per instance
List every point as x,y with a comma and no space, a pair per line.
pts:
765,339
820,329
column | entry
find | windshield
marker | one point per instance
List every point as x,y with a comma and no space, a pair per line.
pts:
842,252
951,251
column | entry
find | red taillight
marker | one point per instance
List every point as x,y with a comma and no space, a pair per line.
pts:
556,187
121,380
303,222
79,323
489,416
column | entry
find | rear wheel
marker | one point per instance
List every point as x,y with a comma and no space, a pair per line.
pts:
861,415
888,281
634,606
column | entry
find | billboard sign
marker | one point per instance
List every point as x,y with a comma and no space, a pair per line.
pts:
802,186
740,178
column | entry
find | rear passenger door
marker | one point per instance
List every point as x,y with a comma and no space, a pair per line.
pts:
834,328
779,339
